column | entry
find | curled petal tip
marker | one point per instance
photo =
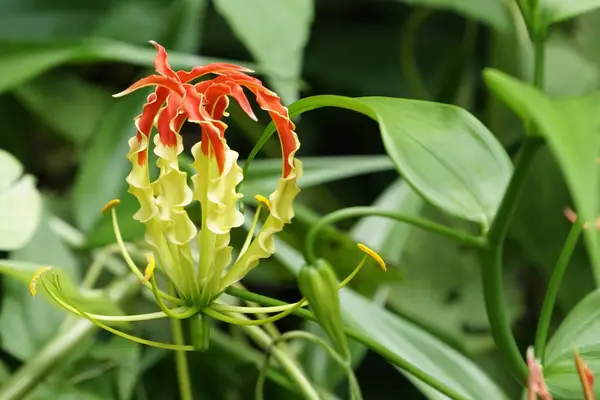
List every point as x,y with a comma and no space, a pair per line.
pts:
373,254
110,204
35,278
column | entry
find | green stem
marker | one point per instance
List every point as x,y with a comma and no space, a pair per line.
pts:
493,284
553,288
285,361
183,373
354,212
392,357
302,335
409,65
33,372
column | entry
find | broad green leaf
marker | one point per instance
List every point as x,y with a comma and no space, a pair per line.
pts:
20,204
69,105
22,61
571,128
275,32
406,340
445,153
491,12
580,329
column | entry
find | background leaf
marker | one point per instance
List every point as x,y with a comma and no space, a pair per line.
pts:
275,33
444,152
492,12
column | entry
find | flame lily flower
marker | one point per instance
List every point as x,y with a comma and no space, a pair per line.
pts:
169,230
198,261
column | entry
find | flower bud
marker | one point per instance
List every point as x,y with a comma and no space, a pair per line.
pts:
318,284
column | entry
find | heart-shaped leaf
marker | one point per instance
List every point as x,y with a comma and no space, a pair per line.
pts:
445,153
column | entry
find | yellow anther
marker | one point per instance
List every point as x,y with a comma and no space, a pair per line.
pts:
369,251
110,204
36,277
149,271
264,200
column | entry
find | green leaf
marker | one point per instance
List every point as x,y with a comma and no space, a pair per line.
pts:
263,175
571,128
492,12
552,11
275,32
406,340
445,153
20,204
580,329
69,105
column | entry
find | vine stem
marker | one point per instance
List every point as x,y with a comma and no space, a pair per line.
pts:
493,286
393,358
562,263
354,212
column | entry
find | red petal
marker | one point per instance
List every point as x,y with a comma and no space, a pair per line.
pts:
152,80
145,120
215,68
161,62
169,114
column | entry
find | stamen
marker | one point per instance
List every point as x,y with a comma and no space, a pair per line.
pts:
367,250
264,200
110,204
149,271
35,278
